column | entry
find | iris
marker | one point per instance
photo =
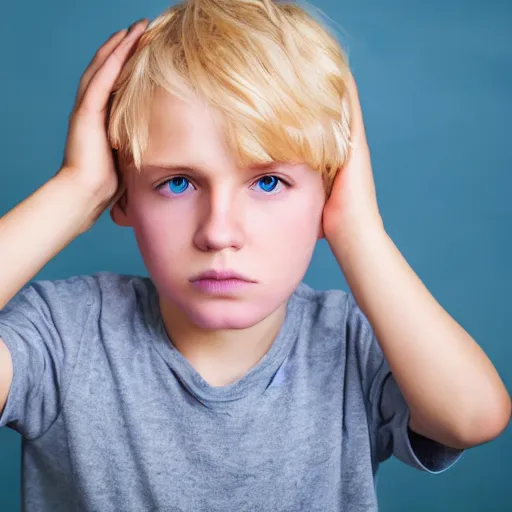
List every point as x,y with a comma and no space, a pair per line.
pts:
178,184
268,183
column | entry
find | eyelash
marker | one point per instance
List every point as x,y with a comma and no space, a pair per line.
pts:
283,182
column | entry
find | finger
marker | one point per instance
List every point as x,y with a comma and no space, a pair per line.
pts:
356,114
97,94
99,58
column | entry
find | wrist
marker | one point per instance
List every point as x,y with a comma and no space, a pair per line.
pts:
350,236
88,199
97,192
359,245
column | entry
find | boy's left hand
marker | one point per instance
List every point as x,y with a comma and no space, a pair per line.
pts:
352,204
462,403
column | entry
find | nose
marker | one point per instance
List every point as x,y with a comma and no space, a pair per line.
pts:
220,222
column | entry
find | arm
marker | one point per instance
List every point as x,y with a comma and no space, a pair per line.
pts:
454,394
38,228
41,226
453,391
35,231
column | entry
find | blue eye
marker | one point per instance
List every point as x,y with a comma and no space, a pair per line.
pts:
178,184
268,183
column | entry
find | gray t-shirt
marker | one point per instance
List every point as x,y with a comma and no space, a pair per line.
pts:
114,418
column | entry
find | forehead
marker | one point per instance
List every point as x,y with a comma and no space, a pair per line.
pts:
191,135
190,130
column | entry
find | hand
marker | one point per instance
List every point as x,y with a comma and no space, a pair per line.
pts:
352,204
88,155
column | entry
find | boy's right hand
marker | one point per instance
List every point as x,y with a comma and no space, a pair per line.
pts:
68,204
88,155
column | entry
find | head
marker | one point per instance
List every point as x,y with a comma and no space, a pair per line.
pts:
230,124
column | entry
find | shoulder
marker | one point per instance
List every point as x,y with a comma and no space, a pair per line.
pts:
49,298
335,315
110,284
326,305
75,293
87,286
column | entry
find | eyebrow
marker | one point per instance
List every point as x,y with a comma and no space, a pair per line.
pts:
171,168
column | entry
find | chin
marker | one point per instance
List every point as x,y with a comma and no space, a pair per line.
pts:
217,314
224,314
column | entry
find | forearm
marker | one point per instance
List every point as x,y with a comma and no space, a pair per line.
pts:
452,389
39,227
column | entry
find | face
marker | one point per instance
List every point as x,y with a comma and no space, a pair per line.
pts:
193,210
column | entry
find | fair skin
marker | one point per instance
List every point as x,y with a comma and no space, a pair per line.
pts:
454,393
224,219
68,204
462,403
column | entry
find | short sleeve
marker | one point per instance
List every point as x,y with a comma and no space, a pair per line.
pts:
387,409
42,327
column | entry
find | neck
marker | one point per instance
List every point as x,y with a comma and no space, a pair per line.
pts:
221,357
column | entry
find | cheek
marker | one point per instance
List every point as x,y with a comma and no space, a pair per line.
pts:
290,224
161,231
285,241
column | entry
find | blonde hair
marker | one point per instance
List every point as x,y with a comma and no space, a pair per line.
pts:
275,73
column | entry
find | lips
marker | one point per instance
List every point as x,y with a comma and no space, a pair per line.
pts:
221,283
222,275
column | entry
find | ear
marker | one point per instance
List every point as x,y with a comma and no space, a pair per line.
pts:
119,212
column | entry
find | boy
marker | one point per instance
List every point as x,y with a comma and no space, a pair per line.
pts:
222,382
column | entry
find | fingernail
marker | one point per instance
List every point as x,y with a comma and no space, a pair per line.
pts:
130,28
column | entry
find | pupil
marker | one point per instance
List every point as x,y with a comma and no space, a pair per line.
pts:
178,184
268,181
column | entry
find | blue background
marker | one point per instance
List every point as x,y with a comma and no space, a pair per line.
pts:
435,80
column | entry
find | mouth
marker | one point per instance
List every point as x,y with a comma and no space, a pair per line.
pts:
221,282
221,275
